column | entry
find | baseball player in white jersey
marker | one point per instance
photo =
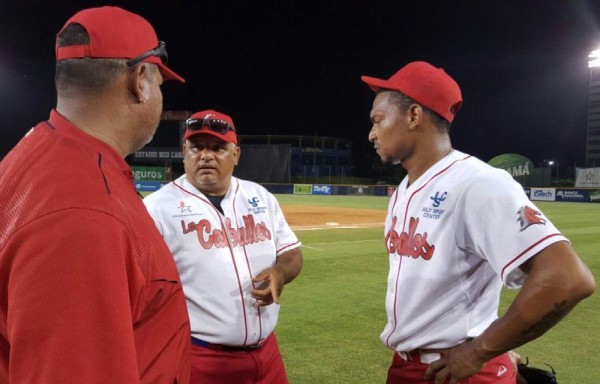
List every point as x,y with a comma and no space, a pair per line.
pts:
456,230
234,251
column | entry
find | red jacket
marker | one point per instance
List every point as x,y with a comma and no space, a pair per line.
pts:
89,292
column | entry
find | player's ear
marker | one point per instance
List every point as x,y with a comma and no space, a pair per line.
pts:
237,152
414,114
138,89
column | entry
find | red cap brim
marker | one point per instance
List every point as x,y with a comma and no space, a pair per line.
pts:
374,83
168,74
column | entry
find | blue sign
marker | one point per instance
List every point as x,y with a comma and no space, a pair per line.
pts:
321,189
572,195
147,186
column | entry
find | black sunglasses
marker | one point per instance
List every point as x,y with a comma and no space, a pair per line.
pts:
160,51
215,125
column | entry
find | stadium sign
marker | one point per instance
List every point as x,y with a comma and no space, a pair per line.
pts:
147,186
148,173
302,189
544,194
587,177
359,190
154,154
516,165
571,195
321,189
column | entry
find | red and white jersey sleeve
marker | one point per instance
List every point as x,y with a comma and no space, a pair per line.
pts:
218,254
453,237
501,225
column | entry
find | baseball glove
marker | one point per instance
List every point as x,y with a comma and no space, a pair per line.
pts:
537,375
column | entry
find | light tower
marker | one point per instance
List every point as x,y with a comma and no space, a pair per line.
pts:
592,147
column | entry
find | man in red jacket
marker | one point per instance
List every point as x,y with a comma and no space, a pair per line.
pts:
89,292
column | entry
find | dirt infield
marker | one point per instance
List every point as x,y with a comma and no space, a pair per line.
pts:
301,217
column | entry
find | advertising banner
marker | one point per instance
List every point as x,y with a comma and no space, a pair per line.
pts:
302,189
594,195
147,186
587,177
359,190
577,195
321,189
148,173
543,194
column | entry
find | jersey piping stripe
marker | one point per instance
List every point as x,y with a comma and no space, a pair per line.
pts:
249,271
102,173
525,251
49,124
387,341
286,247
230,252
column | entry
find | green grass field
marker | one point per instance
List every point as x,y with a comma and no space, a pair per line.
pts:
333,312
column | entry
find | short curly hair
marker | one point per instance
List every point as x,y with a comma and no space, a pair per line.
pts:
404,102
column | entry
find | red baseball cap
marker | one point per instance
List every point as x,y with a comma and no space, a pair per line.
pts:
212,123
116,34
425,84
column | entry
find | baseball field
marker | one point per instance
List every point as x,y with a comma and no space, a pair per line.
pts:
333,312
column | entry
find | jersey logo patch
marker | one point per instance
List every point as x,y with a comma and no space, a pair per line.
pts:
254,208
502,370
527,216
437,198
184,208
409,243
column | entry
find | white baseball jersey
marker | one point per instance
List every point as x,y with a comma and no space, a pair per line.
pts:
217,255
454,236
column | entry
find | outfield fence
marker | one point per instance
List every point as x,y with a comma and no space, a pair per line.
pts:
581,195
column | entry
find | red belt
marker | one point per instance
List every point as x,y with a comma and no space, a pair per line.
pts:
225,348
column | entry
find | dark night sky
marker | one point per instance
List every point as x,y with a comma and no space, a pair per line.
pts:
294,67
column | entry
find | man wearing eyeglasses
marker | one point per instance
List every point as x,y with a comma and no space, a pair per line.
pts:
234,251
89,292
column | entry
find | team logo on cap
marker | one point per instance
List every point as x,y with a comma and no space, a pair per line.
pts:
527,216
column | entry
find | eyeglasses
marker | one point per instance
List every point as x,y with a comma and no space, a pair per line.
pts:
160,51
215,125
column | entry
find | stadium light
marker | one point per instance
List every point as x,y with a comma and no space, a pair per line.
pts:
550,164
594,59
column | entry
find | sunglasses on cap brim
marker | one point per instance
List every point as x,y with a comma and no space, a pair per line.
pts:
214,124
159,51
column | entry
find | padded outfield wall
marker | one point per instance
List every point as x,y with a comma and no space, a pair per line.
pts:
331,189
577,195
581,195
